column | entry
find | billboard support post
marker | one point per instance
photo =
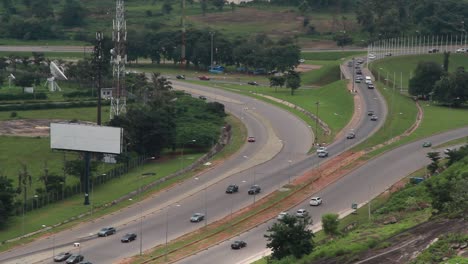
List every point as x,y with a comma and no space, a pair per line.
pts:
87,158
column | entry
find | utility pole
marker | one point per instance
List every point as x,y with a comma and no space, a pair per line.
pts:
211,34
316,122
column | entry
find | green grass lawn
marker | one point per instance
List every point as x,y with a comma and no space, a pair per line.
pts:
335,108
50,55
329,72
81,113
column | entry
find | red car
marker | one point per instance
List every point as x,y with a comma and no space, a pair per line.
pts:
204,78
251,139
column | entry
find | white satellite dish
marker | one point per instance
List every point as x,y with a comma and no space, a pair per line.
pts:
11,77
57,73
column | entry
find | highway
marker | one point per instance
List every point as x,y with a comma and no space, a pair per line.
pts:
280,137
170,210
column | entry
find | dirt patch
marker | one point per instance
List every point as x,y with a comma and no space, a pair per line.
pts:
28,127
307,67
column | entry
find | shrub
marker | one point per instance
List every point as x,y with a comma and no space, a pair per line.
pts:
13,114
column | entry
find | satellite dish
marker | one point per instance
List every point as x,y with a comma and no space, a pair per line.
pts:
11,77
57,72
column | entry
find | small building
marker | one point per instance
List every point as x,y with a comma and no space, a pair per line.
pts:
106,93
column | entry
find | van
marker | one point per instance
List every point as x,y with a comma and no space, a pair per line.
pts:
368,80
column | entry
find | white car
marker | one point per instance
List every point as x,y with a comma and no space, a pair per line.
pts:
321,149
282,215
301,60
461,50
302,213
371,56
315,201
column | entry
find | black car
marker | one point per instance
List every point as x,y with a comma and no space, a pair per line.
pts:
370,113
238,244
358,72
232,188
254,189
202,97
374,118
370,86
128,237
73,259
253,83
62,256
180,77
106,231
433,50
351,135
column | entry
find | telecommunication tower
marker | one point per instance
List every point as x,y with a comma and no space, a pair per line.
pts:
118,60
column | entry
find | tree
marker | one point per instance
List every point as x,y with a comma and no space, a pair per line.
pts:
457,155
330,224
72,14
276,81
452,89
425,77
290,236
204,6
434,157
218,4
25,80
167,7
293,81
77,168
342,39
7,194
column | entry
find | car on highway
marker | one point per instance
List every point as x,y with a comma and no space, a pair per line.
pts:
388,54
203,78
128,237
358,72
350,64
74,259
180,77
253,83
321,149
106,231
197,217
232,188
202,97
254,189
251,139
315,201
371,56
433,50
427,144
62,256
357,81
322,154
351,135
282,215
370,86
461,50
238,244
301,213
374,118
370,113
359,77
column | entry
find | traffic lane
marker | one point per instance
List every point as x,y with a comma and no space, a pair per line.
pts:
376,176
72,235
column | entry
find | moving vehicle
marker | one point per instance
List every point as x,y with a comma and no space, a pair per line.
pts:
197,217
368,79
323,154
433,50
370,113
204,78
374,118
73,259
252,83
238,244
370,86
315,201
128,237
232,188
251,139
322,149
351,135
254,189
427,144
461,50
202,97
106,231
180,77
301,213
282,215
62,256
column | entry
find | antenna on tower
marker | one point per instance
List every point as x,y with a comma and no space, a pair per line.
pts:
182,53
118,60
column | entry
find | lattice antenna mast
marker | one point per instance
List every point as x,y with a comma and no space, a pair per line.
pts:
119,59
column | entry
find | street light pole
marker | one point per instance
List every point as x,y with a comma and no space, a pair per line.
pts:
316,122
211,34
182,154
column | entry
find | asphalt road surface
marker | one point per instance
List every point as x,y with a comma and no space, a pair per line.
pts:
169,212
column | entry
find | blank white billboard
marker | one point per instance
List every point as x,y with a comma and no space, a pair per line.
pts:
86,138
